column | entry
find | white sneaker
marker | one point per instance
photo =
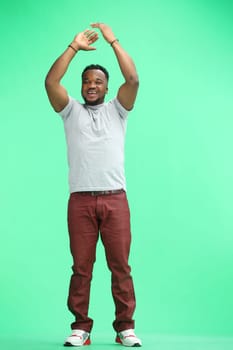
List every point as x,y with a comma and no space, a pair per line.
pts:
128,338
78,338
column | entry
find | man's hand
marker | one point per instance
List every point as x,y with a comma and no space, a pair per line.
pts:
105,30
84,39
127,92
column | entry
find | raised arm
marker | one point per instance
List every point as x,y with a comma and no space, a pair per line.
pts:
57,94
128,90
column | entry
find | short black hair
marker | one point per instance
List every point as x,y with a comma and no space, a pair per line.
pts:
96,66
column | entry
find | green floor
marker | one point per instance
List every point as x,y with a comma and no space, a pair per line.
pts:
150,342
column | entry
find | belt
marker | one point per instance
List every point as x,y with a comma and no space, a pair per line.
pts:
100,193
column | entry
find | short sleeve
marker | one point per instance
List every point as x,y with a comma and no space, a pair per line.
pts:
121,110
65,112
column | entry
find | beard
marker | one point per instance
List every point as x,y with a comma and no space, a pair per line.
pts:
98,101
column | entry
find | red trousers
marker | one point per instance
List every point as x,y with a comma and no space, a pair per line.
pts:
108,216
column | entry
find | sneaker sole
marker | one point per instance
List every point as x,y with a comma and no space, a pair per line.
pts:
119,341
87,342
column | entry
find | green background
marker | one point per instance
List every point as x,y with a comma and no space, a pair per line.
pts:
179,167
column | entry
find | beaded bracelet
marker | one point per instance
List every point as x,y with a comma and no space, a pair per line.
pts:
73,48
114,41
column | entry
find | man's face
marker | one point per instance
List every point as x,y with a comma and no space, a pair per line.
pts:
94,87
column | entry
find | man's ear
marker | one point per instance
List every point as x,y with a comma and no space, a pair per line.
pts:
106,90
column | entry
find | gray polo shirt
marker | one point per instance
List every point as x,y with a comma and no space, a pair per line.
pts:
95,137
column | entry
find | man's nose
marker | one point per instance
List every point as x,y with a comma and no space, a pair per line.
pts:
92,84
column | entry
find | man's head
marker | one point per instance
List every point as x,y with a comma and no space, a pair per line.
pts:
94,84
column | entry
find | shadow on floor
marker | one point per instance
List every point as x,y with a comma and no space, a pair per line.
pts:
150,342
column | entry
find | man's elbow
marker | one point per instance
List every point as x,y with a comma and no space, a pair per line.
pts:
48,82
134,80
51,84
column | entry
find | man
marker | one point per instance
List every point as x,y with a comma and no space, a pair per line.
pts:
95,133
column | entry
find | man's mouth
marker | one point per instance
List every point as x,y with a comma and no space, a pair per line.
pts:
91,92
